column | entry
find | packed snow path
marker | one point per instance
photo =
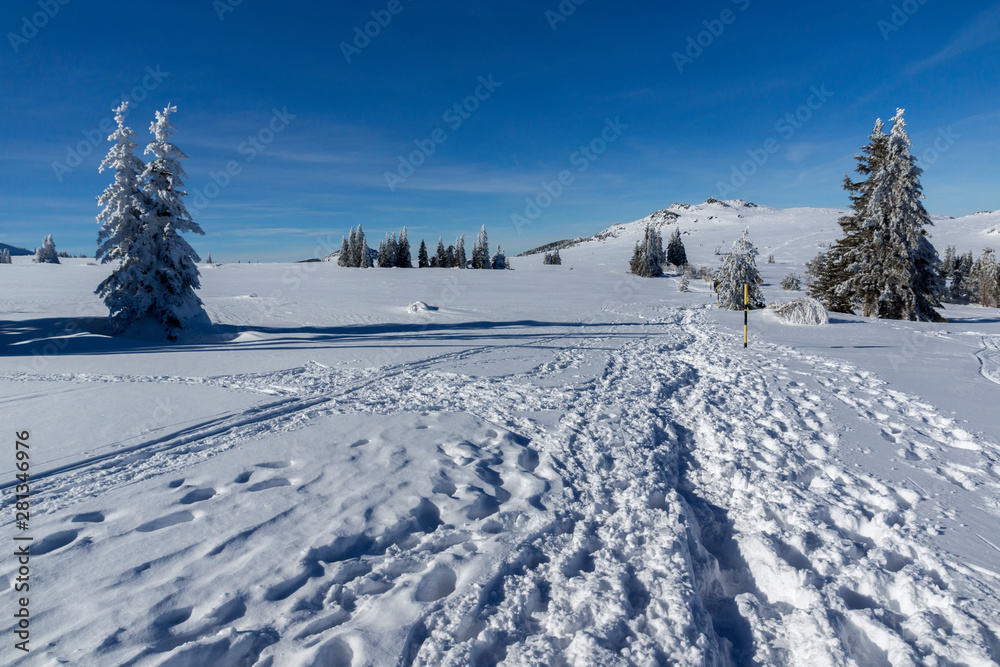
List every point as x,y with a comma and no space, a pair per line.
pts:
650,495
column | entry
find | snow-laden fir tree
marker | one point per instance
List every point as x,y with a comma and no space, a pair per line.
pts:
450,256
5,256
441,256
46,254
403,259
422,262
387,250
648,257
344,256
382,255
986,279
830,269
461,261
676,254
361,257
948,263
499,259
739,268
159,274
896,273
125,204
481,251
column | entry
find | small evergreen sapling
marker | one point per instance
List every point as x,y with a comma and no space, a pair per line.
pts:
791,283
739,268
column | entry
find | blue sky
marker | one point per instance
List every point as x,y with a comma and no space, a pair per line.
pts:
593,91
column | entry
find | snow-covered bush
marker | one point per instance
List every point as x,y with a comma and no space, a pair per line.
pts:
801,311
47,254
791,283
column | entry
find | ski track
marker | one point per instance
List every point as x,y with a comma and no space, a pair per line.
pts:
688,508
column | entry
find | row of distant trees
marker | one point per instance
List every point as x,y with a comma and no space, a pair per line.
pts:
44,254
394,252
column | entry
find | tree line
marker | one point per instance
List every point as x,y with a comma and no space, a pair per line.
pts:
395,252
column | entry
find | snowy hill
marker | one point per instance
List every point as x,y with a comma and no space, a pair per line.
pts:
561,465
15,251
793,236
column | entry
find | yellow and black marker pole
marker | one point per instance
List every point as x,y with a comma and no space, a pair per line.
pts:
746,311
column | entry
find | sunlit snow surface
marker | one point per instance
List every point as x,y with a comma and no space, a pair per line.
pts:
548,466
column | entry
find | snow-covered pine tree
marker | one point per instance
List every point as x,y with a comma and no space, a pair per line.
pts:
987,280
648,257
830,269
683,287
5,256
161,267
346,256
552,258
948,263
46,254
422,262
362,258
676,254
450,256
461,261
383,257
125,206
441,257
499,259
481,251
403,259
387,251
896,273
739,268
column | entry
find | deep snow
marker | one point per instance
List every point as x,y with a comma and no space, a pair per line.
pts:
551,465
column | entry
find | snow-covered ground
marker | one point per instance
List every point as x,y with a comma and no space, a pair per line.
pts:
549,466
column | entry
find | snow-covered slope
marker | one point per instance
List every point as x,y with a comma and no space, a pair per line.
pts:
552,465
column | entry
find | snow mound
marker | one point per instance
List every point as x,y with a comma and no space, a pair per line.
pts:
419,306
802,311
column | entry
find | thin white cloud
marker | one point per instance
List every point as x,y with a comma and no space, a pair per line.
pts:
984,29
